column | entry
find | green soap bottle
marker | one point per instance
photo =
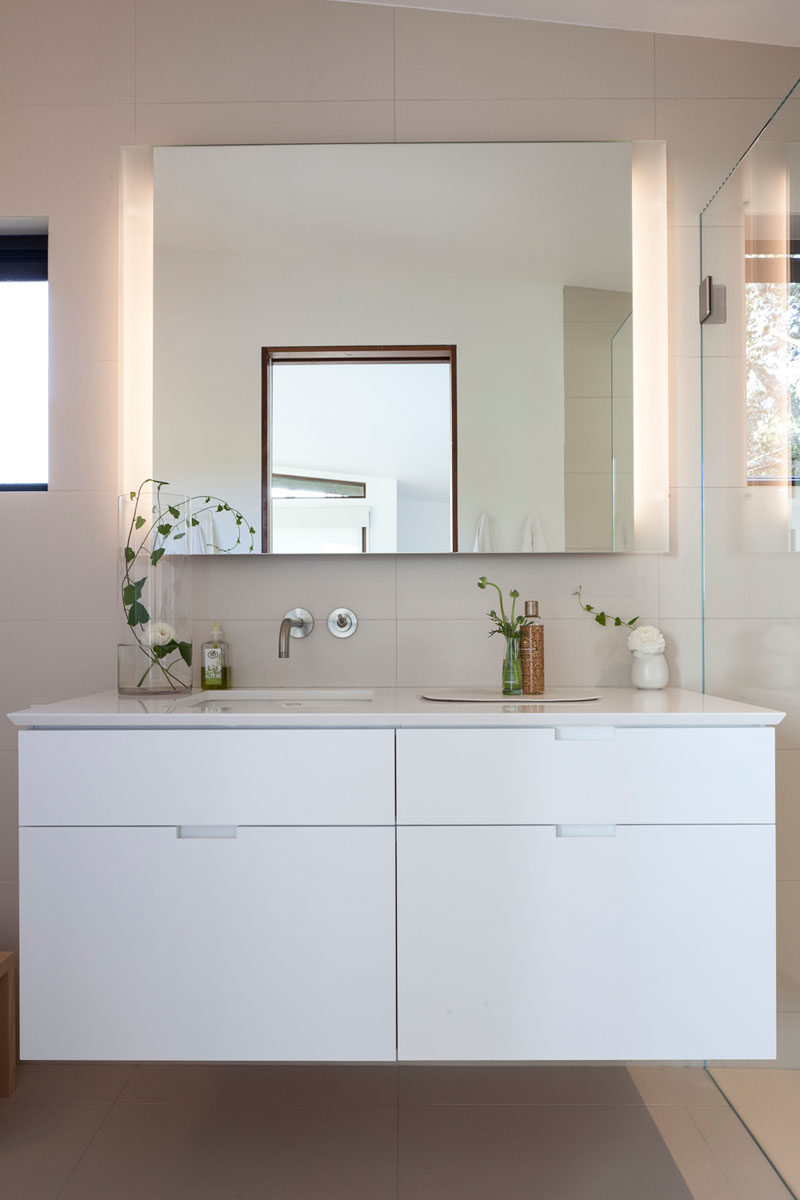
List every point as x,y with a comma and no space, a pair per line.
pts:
215,671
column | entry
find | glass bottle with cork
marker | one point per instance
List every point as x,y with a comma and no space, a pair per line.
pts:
531,650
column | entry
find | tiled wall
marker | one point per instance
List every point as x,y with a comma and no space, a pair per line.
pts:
78,79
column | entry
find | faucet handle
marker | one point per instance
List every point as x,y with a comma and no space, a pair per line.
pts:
342,622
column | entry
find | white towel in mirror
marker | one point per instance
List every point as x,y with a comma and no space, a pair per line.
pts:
484,535
533,538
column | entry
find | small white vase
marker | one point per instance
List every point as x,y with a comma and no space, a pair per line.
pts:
649,671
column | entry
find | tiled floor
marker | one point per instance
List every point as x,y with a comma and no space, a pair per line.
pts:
197,1132
768,1101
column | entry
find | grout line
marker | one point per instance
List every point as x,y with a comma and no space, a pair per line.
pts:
749,1133
94,1136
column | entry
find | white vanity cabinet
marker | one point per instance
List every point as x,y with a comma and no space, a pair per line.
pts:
426,883
207,896
608,894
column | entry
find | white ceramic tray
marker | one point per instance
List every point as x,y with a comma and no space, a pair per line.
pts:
494,696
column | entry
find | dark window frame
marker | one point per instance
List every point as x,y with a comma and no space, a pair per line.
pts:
23,259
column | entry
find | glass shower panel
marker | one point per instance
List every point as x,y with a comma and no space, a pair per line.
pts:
750,447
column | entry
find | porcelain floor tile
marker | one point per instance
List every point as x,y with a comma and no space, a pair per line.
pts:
517,1085
534,1152
198,1083
40,1145
222,1151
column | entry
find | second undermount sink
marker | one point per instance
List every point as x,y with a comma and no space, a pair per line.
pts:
254,698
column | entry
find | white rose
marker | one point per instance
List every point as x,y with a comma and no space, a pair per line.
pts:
647,639
160,633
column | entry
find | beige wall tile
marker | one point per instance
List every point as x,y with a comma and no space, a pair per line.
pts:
788,924
440,588
787,787
53,660
684,422
265,588
84,273
724,423
202,51
523,119
66,163
453,56
684,652
83,426
680,571
726,561
9,819
367,659
706,68
270,122
683,248
456,652
704,140
65,541
588,511
76,53
587,357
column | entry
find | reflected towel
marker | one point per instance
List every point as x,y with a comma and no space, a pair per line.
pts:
533,539
484,535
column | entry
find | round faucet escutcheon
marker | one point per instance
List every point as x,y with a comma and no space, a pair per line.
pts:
342,622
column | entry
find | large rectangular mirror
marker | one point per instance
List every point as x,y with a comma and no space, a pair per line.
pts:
399,348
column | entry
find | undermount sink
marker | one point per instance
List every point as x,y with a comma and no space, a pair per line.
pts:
253,698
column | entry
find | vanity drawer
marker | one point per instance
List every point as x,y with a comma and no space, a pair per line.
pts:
587,775
214,777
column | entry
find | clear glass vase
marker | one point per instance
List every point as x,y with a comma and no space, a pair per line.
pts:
512,669
155,593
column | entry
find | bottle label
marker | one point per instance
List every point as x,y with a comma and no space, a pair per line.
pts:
212,664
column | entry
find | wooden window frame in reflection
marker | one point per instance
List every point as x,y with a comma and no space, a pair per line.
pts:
349,354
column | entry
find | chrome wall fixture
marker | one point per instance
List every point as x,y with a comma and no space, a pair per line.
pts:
342,622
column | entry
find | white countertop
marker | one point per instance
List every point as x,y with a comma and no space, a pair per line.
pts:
390,708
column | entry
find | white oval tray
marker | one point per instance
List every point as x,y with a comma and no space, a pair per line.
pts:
494,696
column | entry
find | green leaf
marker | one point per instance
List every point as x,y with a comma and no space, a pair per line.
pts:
130,554
178,535
208,500
589,607
251,529
173,511
633,620
219,508
617,620
195,521
132,591
139,522
186,652
163,651
138,614
156,555
601,618
133,495
164,529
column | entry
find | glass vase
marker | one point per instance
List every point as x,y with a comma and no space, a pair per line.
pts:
512,669
155,594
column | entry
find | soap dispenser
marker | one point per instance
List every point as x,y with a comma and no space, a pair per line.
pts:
215,671
531,650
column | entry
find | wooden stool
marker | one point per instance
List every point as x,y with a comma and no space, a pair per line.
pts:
8,1023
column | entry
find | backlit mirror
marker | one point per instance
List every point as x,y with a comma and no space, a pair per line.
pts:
400,348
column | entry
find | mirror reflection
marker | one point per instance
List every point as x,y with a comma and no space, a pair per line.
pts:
399,348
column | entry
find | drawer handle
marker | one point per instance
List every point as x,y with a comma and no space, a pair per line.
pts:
585,733
568,831
207,831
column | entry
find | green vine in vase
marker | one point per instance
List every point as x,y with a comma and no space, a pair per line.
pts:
602,618
145,546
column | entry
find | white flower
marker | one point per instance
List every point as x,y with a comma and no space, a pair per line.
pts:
646,640
160,633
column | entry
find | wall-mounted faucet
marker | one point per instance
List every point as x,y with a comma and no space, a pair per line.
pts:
297,623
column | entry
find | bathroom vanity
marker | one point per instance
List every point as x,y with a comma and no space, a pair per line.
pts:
377,877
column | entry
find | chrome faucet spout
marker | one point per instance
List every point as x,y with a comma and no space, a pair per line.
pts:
298,622
283,637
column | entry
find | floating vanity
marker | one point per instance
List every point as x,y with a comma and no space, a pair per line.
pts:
364,875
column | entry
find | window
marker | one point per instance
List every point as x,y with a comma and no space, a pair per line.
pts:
23,362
